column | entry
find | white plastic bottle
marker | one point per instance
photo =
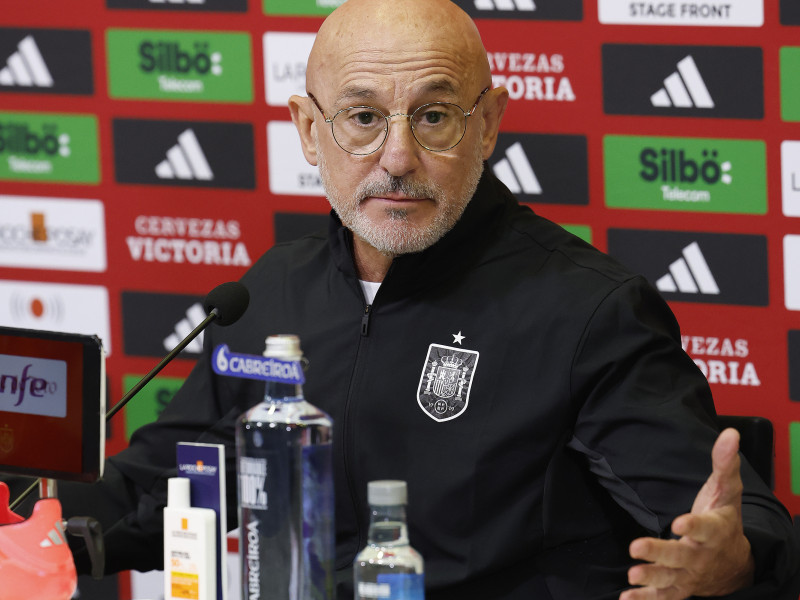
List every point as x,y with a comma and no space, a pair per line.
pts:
190,539
388,568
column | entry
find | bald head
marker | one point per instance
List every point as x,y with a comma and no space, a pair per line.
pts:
388,33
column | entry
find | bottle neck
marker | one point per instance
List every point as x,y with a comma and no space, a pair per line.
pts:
387,525
283,392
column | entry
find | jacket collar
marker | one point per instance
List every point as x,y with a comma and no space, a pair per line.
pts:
453,254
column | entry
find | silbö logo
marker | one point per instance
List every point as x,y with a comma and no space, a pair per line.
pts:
32,151
673,168
172,63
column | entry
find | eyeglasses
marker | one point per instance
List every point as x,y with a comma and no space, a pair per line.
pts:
362,130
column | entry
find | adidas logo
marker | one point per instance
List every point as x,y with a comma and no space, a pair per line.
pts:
185,160
195,315
55,537
689,274
26,67
685,88
505,5
516,171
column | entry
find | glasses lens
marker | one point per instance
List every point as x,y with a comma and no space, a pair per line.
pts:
359,129
438,126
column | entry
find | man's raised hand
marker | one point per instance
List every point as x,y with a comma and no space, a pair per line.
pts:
712,556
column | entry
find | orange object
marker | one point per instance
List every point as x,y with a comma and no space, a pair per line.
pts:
35,560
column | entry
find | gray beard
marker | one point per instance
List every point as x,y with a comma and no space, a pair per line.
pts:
396,235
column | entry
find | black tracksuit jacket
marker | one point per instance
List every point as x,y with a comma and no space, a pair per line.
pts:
581,422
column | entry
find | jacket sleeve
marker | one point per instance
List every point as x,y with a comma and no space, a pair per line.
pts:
646,425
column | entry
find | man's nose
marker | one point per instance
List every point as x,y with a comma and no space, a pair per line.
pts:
400,151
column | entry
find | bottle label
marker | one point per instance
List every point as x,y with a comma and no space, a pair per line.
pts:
250,366
394,586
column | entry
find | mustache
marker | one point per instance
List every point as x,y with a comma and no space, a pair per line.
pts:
394,184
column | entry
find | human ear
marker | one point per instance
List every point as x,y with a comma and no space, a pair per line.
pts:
494,105
303,118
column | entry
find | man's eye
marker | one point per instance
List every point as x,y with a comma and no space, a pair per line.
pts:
365,118
433,117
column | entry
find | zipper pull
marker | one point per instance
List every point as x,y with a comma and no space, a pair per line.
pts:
365,321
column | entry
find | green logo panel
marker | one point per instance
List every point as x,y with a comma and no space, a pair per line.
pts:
49,147
794,450
301,7
582,231
686,174
790,84
151,400
188,66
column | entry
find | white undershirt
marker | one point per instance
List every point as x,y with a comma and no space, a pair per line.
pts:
370,288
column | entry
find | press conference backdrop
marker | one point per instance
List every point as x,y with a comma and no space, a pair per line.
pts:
147,154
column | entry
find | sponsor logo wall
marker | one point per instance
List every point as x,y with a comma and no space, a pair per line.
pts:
147,155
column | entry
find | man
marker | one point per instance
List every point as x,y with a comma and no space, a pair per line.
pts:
531,391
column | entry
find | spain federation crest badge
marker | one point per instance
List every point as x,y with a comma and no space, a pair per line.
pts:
446,381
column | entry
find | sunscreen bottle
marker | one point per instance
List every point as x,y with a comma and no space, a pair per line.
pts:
190,568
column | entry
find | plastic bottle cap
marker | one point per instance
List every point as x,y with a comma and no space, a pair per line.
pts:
387,492
284,347
178,492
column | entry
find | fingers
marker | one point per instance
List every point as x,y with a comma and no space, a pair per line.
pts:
672,554
725,456
709,527
652,594
724,485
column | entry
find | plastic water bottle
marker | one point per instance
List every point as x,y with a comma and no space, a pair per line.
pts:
285,477
388,568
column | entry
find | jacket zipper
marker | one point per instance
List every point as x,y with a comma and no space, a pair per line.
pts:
365,321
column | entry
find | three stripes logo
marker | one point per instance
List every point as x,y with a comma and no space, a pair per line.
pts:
183,153
26,67
714,268
195,315
684,81
505,5
170,318
689,274
543,168
684,88
45,61
561,10
516,172
185,160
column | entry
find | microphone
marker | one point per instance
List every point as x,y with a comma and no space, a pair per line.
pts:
225,304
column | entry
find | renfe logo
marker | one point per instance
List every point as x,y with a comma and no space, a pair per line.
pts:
33,386
683,81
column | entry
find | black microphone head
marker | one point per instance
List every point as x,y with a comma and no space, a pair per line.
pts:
230,299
